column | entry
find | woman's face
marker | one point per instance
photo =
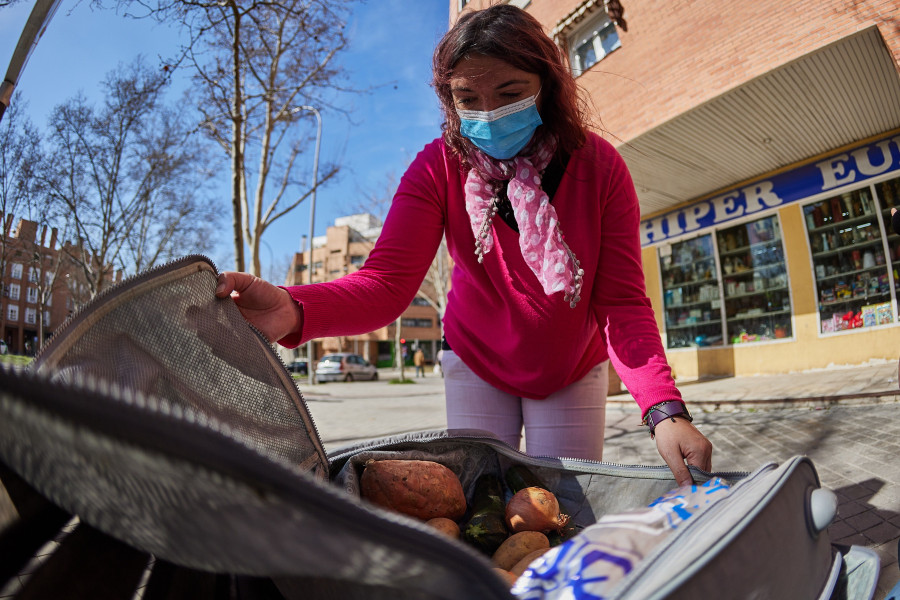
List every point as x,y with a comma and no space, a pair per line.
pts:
484,83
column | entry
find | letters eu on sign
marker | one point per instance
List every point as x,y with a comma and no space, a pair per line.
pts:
808,180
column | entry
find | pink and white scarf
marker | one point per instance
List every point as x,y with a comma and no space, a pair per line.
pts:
540,238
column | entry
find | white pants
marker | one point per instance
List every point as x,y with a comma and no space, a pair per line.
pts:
568,423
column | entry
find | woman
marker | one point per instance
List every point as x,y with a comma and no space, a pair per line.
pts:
541,219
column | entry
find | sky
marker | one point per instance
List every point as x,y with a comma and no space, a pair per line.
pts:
391,47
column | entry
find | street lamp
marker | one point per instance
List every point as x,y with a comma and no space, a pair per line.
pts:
312,222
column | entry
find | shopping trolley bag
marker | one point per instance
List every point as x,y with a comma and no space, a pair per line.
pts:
161,420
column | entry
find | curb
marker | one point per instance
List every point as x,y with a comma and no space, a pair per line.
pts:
811,402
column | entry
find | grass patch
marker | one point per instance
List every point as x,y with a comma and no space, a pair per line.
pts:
15,360
400,381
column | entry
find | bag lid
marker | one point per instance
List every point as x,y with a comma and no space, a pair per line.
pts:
163,333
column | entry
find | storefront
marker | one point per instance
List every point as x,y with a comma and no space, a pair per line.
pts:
795,270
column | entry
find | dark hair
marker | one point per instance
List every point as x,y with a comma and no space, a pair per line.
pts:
512,35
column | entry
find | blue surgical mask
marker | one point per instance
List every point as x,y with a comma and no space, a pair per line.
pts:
501,133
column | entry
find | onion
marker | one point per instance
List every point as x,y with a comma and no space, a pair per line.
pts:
534,509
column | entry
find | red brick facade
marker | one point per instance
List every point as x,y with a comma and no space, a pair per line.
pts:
679,54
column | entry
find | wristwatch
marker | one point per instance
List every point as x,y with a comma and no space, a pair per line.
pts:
665,410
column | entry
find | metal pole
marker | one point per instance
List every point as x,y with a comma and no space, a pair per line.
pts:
312,223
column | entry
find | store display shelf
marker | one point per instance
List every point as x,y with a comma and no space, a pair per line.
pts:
697,324
847,248
843,223
750,317
755,292
863,299
847,274
690,263
743,273
689,304
675,286
745,249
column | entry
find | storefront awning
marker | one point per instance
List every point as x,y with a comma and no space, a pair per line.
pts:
838,95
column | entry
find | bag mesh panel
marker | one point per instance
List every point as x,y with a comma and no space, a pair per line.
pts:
168,336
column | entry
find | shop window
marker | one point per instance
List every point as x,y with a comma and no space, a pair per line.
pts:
889,197
849,265
693,312
754,282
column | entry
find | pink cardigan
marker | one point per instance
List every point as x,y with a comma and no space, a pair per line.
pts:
498,320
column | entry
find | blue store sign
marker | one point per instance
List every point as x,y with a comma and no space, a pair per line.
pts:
836,171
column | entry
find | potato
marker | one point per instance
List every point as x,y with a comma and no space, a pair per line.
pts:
522,565
445,526
517,546
506,575
419,488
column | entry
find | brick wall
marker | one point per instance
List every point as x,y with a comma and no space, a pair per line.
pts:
678,54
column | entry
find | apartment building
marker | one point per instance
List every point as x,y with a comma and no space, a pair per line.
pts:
34,299
763,138
342,250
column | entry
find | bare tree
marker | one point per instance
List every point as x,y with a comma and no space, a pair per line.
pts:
255,65
126,179
18,153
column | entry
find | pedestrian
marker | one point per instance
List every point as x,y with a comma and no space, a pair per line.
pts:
419,362
541,219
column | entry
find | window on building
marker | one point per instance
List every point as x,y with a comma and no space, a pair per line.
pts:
30,316
592,41
754,282
46,318
12,312
357,260
15,270
33,274
693,307
14,291
852,274
49,301
416,322
419,301
32,296
317,266
463,4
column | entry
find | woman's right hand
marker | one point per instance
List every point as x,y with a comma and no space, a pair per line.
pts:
267,307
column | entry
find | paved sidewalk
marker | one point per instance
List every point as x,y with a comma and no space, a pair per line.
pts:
845,419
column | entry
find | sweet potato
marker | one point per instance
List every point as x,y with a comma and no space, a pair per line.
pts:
517,546
419,488
526,560
445,525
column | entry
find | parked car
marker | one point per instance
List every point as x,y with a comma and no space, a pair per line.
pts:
343,366
299,366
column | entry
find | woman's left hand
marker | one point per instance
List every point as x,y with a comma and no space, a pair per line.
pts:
678,441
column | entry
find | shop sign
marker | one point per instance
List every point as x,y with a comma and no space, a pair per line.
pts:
836,171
